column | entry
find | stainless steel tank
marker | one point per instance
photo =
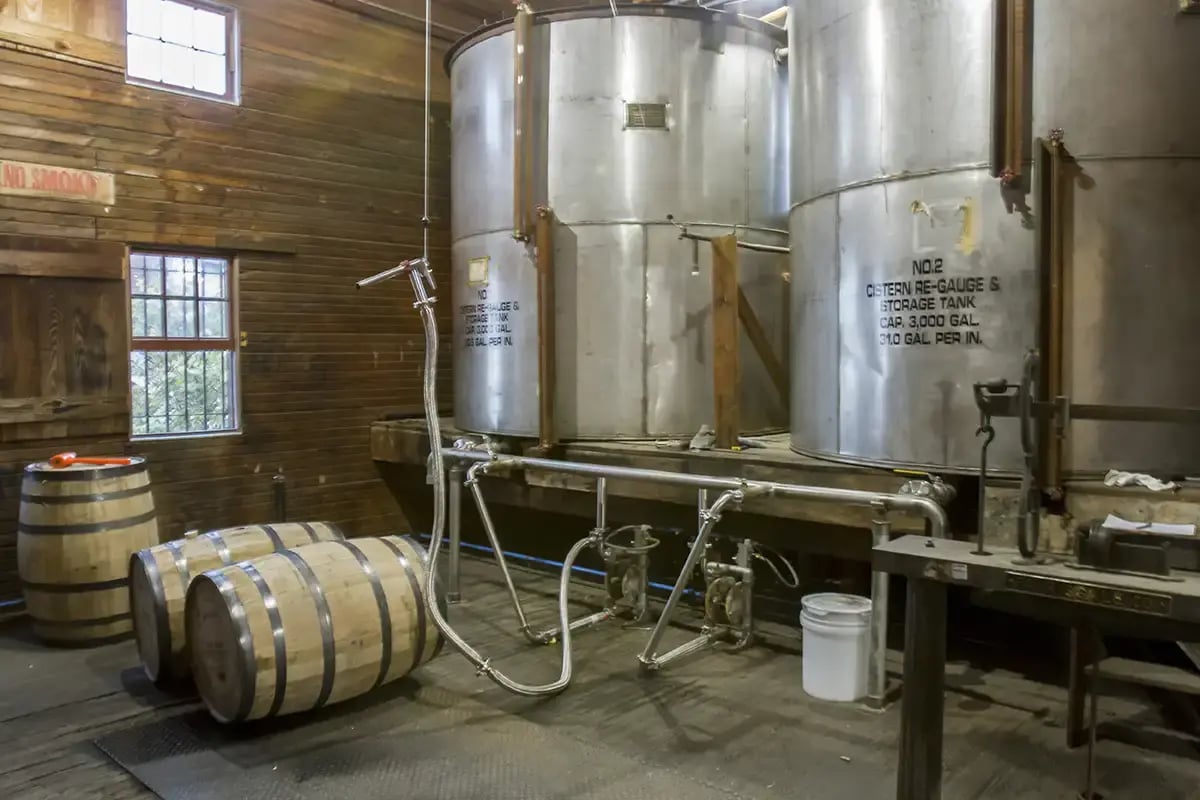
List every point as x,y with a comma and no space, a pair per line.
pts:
914,272
658,111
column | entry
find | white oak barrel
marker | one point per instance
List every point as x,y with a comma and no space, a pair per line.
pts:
304,628
159,578
76,530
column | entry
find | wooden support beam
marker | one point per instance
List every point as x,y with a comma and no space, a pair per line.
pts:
46,257
547,346
762,345
727,377
57,409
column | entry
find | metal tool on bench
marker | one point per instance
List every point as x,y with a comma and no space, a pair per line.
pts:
1145,552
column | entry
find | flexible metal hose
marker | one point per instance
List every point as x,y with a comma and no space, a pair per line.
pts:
433,424
419,273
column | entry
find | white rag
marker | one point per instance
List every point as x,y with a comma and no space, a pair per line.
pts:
1116,477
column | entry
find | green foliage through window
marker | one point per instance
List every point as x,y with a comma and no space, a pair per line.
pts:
183,358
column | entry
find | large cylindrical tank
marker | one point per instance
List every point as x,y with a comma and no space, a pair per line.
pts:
657,111
914,270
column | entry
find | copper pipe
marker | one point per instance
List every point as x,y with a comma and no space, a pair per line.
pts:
1011,50
1054,437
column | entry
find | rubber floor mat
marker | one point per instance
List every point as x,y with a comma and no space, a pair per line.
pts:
414,743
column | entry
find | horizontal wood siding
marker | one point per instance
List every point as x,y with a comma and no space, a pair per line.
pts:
313,182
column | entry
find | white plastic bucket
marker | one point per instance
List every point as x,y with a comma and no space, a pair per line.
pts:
837,645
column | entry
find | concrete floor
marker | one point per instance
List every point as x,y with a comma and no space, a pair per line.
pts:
718,725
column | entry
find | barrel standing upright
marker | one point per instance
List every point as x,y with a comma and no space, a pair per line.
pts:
78,526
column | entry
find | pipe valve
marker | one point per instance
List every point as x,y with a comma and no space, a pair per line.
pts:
418,266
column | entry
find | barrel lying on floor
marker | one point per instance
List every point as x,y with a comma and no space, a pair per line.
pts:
159,578
300,629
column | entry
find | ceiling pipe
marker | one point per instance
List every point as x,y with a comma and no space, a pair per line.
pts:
777,17
382,13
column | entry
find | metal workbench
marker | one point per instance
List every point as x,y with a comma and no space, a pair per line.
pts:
1166,609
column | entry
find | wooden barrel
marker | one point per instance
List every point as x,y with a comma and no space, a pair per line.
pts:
159,578
76,531
303,628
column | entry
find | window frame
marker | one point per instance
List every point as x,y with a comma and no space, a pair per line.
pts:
233,53
164,344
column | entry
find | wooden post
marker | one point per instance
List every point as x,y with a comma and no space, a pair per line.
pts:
727,378
547,352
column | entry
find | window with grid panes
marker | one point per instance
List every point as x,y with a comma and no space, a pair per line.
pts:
187,46
183,355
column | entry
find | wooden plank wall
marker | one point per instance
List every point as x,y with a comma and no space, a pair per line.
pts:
64,339
312,182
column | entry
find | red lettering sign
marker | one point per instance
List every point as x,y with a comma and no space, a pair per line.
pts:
62,183
13,175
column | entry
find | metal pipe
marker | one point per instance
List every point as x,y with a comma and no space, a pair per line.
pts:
695,645
387,274
744,556
601,505
522,122
388,13
711,516
775,17
1052,386
684,233
912,504
881,534
989,433
583,622
599,533
761,248
279,485
489,530
453,592
422,281
599,573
